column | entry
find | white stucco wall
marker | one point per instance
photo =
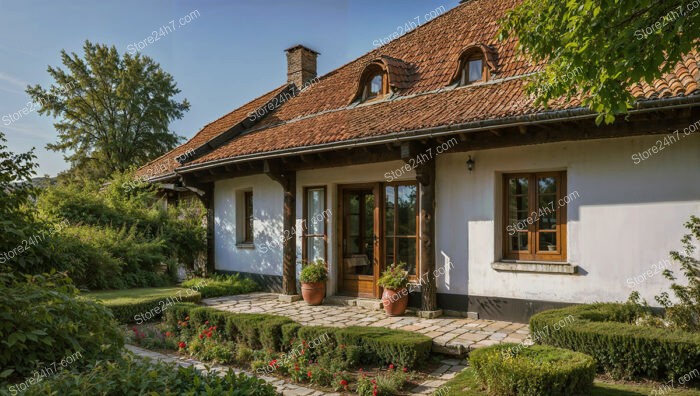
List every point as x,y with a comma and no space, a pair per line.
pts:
626,218
266,256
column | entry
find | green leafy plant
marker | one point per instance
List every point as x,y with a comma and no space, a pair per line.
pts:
134,376
222,285
395,277
314,272
685,313
508,370
386,383
44,320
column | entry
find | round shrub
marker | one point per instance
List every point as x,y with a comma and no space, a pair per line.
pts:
621,348
512,369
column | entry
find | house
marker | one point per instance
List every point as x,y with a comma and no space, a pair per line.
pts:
429,152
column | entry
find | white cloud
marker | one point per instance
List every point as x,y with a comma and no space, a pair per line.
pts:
13,80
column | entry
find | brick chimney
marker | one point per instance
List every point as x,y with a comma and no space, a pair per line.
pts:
301,65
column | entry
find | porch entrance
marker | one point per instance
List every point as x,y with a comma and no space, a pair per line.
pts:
378,227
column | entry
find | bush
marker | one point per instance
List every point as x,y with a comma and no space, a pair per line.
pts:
394,278
622,349
142,309
133,376
222,285
509,369
275,333
44,320
385,384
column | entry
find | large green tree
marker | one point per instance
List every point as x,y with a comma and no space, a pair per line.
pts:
598,48
113,112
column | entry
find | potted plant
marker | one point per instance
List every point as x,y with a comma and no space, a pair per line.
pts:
313,282
395,296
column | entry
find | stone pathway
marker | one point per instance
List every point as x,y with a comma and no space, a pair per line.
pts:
451,335
449,368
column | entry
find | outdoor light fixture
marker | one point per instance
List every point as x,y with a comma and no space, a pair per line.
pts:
470,164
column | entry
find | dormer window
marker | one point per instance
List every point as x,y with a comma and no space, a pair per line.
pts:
476,63
374,84
473,69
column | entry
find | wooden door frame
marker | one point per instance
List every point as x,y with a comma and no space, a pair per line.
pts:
376,188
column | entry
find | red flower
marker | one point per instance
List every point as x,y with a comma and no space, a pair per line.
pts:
168,334
182,345
391,367
308,374
134,329
374,392
273,362
361,369
343,383
201,336
207,322
405,369
374,382
296,367
208,335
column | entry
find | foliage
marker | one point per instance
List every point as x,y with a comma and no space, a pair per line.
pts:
20,250
133,376
44,320
394,278
598,49
314,272
622,349
384,384
117,237
685,314
211,345
143,305
222,285
510,370
154,337
346,347
112,112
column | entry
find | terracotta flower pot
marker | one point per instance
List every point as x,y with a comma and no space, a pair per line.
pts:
395,301
313,293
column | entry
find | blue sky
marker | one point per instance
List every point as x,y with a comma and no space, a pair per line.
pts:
231,52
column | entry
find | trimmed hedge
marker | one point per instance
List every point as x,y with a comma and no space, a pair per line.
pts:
222,285
511,369
146,309
622,349
276,333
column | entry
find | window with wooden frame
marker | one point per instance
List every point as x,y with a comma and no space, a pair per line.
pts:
534,216
249,217
315,225
473,68
401,226
374,84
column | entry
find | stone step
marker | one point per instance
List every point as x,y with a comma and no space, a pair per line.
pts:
367,303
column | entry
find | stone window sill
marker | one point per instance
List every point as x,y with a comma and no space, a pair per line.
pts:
542,267
245,246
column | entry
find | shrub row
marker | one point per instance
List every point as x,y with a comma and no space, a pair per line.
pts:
509,370
222,285
147,308
621,348
276,333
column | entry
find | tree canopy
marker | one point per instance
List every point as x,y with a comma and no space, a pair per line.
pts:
113,112
599,48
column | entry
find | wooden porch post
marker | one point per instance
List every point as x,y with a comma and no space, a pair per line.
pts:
425,175
287,179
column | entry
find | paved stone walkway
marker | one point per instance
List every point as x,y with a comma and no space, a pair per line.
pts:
449,368
451,335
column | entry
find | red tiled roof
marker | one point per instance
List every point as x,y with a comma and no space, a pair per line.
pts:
167,163
321,114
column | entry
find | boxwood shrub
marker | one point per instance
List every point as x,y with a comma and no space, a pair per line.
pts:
510,369
622,349
146,309
275,333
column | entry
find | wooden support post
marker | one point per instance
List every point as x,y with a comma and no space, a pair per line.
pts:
287,179
425,175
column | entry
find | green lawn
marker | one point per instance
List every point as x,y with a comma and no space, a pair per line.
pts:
133,296
465,384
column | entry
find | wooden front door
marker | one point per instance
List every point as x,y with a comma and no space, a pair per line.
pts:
359,240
